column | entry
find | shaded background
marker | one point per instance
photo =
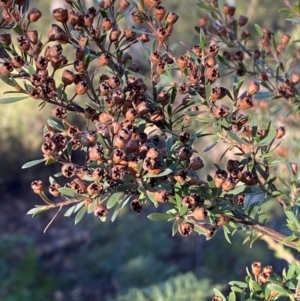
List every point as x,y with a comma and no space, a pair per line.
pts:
132,258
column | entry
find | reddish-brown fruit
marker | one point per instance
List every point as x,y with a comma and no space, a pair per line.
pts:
256,268
220,177
185,229
161,196
33,15
54,189
37,186
280,132
68,170
100,210
60,15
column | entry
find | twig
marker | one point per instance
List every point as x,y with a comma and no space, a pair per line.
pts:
53,219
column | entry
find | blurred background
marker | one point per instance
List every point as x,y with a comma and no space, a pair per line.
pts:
133,258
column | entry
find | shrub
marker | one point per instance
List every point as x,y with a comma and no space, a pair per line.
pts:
138,134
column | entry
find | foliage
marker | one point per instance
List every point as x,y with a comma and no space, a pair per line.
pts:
136,142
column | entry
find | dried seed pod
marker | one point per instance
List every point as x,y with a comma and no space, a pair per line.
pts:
99,174
221,221
196,163
200,213
160,67
181,61
161,196
218,93
245,102
49,149
243,20
59,112
37,186
123,4
220,111
119,142
104,59
228,184
159,12
256,268
81,87
68,170
263,278
54,189
136,205
114,35
96,153
152,153
184,153
23,44
197,50
105,4
189,201
212,74
181,176
253,88
268,269
285,39
60,15
171,18
94,189
228,10
220,177
239,200
217,298
100,210
6,68
162,34
185,229
33,15
5,38
249,178
280,132
106,24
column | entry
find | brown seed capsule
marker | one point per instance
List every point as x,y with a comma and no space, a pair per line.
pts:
181,176
217,298
245,102
161,196
136,16
33,15
104,59
105,4
184,153
81,87
218,93
285,39
60,15
256,54
212,74
114,35
54,189
94,189
196,49
6,68
123,4
196,163
100,210
96,153
106,24
6,3
280,132
264,41
200,213
23,44
136,205
228,10
220,111
181,61
5,38
249,178
242,20
256,268
159,12
59,112
239,200
220,177
119,142
171,18
185,229
162,34
144,38
263,278
253,88
221,221
228,184
37,186
189,201
68,170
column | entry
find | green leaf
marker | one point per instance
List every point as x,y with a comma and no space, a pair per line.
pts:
36,211
12,99
70,192
183,210
234,137
278,289
164,173
175,227
210,146
80,215
258,30
218,293
271,135
31,70
113,200
202,39
55,124
70,210
232,297
157,217
32,163
239,284
18,29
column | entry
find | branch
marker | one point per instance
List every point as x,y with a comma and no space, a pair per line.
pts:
258,227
